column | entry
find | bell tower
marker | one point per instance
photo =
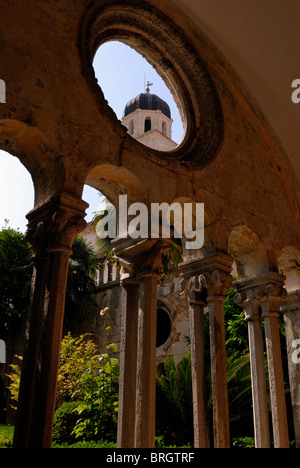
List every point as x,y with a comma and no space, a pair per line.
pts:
148,119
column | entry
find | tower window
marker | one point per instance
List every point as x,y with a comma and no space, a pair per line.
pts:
147,125
164,129
131,128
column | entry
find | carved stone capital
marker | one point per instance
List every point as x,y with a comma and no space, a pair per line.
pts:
257,291
140,257
54,225
211,275
194,289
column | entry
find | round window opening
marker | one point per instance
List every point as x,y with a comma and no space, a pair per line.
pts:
164,326
139,96
140,29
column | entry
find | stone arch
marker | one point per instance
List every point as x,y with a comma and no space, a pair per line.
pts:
289,266
248,252
36,154
113,181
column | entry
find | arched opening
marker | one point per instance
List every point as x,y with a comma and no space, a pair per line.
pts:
164,326
147,124
16,200
16,192
169,51
131,128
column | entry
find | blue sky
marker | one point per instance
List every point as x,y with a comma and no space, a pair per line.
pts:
121,74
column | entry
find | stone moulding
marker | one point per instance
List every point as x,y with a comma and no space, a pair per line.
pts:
168,49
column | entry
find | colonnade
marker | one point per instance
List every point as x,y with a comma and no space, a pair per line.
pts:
52,229
205,282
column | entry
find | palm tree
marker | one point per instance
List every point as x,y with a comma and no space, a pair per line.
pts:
81,288
174,402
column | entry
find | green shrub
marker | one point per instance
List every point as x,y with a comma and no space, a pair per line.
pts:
6,436
65,419
74,354
85,444
98,412
243,442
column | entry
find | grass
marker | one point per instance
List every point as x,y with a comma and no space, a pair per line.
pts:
6,436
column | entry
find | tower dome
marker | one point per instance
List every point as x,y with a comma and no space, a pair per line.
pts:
147,101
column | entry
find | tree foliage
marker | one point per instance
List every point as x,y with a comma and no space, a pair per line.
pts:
74,354
15,256
81,287
16,269
236,328
174,401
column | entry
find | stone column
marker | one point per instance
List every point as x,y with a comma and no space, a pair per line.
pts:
52,229
144,257
291,310
219,369
197,303
146,369
128,361
270,304
245,298
214,274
